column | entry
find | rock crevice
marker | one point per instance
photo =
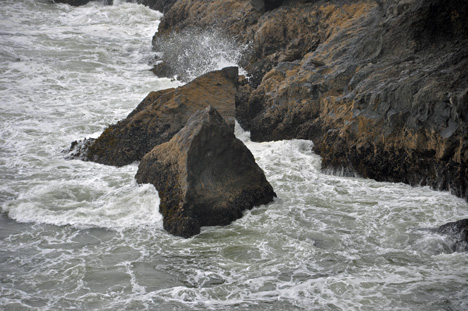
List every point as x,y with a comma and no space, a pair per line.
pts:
159,117
204,175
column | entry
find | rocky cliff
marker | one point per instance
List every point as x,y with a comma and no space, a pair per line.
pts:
381,87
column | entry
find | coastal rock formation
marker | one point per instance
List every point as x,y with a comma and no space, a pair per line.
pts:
457,232
159,117
204,175
381,87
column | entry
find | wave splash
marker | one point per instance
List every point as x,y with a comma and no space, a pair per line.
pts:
192,52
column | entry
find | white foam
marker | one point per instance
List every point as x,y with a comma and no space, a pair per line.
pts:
72,77
326,242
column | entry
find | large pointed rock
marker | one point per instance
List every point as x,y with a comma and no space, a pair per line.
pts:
204,175
159,117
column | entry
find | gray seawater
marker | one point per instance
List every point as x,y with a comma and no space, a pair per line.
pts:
83,236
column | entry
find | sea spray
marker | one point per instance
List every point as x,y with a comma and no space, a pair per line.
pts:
94,239
194,51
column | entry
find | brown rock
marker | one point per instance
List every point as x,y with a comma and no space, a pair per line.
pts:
161,115
204,175
381,87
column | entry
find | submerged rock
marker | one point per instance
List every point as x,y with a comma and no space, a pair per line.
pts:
79,149
81,2
160,116
457,232
204,175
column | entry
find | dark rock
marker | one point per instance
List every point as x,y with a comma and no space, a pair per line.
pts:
243,109
79,149
457,232
272,4
276,31
160,116
204,175
77,2
161,5
381,87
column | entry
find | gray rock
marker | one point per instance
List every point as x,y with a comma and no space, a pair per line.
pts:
204,175
457,232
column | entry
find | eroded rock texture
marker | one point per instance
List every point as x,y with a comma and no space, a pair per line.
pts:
381,87
159,117
204,175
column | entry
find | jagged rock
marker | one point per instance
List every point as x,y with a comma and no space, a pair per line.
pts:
381,87
161,115
457,232
204,175
79,149
272,28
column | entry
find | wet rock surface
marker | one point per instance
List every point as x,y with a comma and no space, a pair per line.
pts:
76,2
381,87
457,233
204,175
159,117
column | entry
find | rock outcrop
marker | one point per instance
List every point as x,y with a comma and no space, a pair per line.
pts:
159,117
381,87
204,175
457,233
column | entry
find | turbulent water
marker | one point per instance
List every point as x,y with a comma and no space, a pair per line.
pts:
82,236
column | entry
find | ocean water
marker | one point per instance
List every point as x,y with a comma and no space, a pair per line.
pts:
82,236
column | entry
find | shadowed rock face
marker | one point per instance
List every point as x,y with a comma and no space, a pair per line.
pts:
457,232
161,5
381,87
204,175
159,117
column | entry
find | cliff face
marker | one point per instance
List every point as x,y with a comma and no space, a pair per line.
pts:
381,87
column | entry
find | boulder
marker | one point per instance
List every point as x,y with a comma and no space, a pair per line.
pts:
204,175
457,232
159,117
